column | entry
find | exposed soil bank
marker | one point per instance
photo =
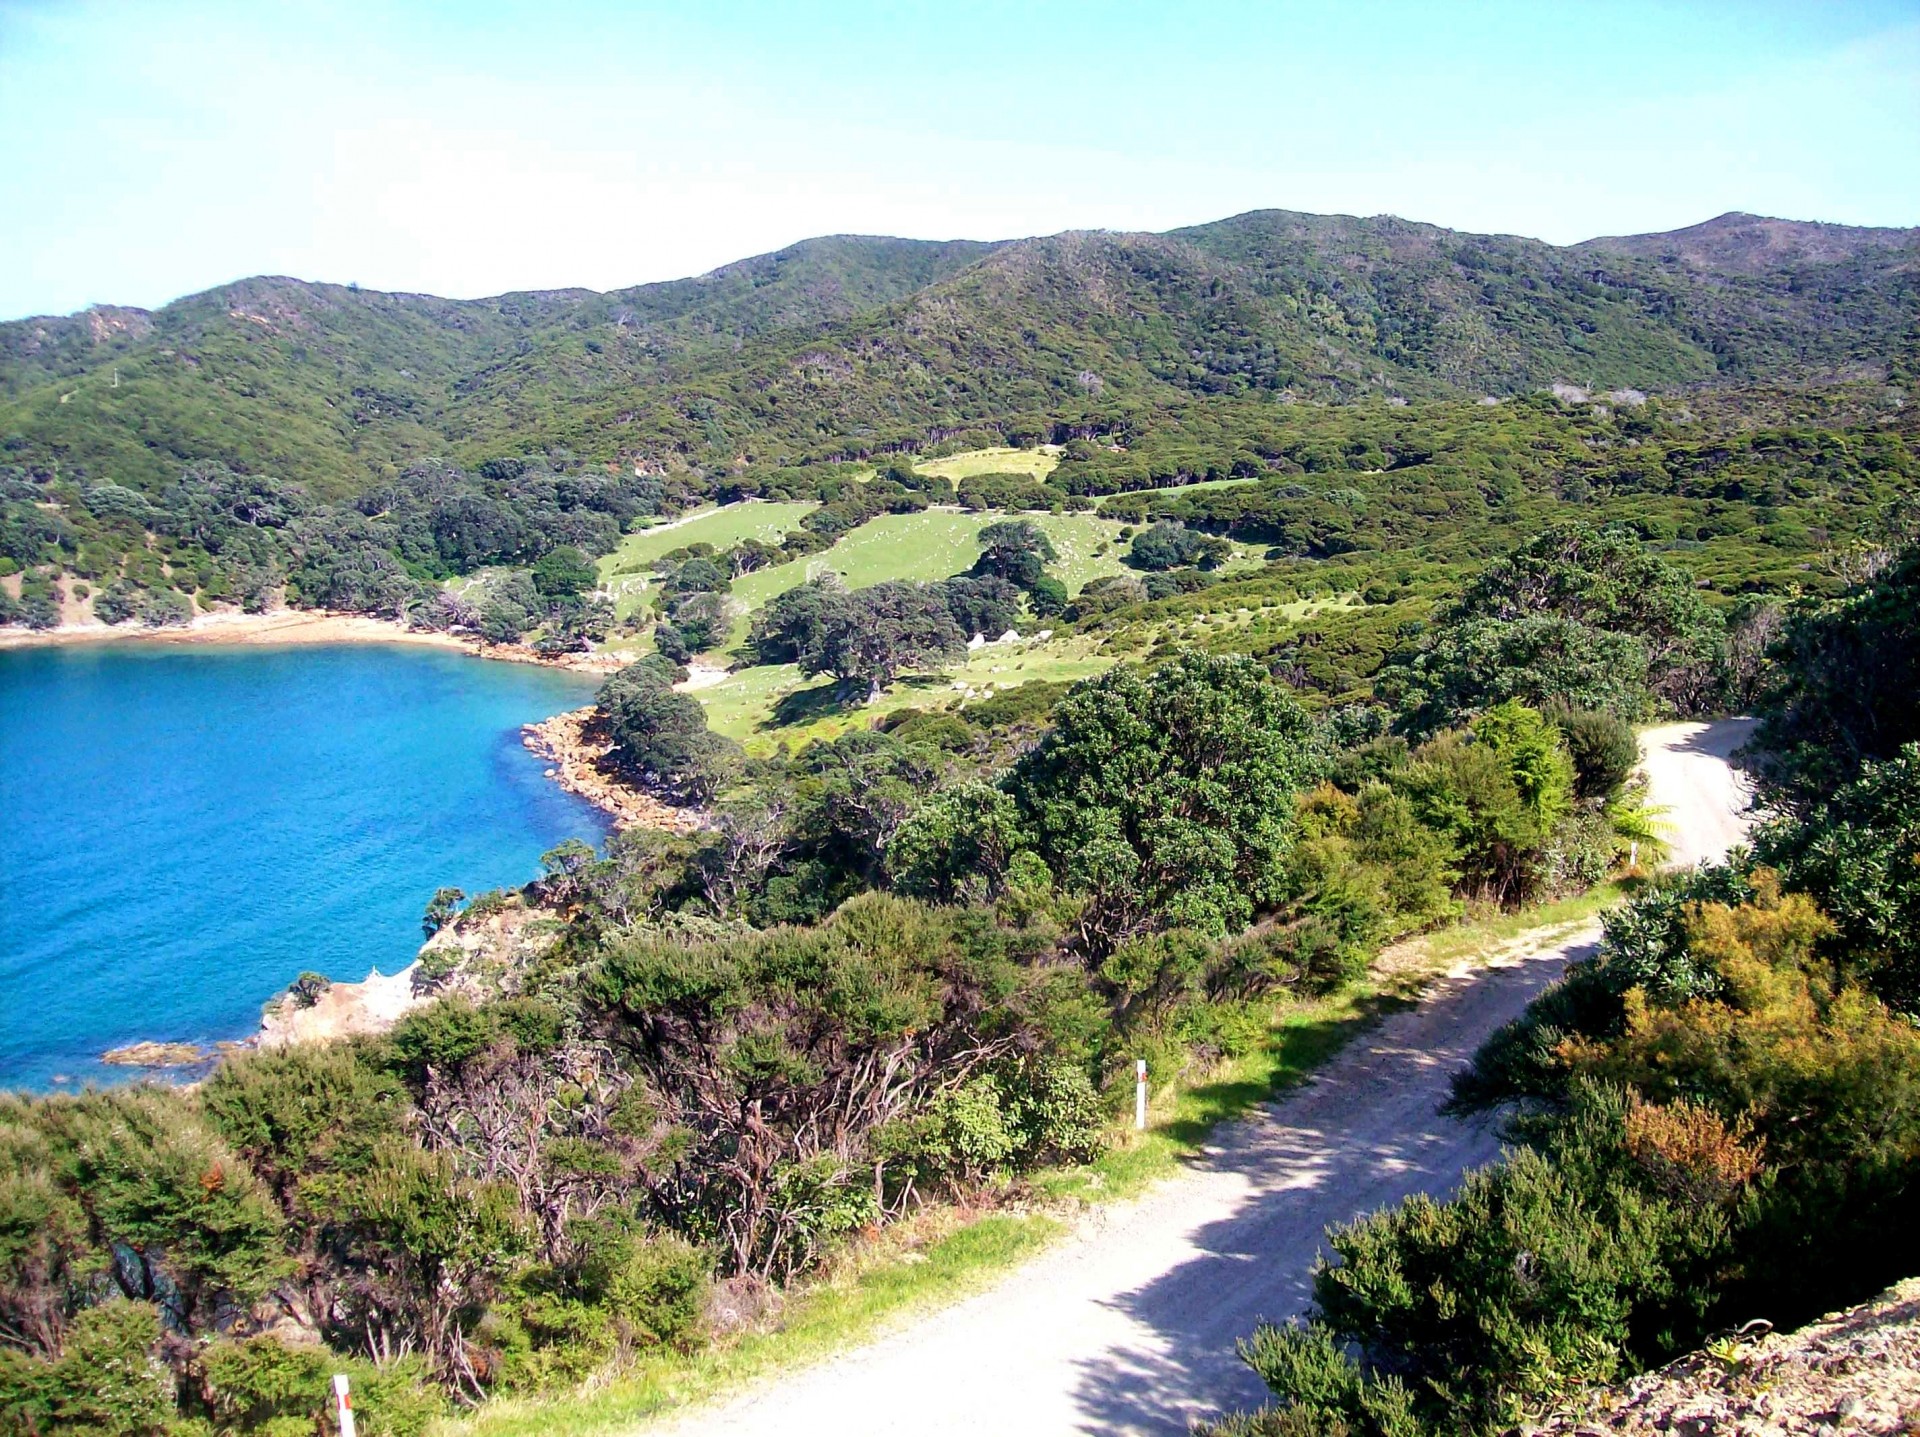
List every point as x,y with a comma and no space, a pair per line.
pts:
1856,1371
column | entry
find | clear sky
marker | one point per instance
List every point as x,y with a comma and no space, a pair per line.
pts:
150,149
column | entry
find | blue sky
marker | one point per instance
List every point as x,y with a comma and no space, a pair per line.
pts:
149,149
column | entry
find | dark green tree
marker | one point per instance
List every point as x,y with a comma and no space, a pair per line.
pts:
563,573
1845,679
1017,550
1167,798
870,638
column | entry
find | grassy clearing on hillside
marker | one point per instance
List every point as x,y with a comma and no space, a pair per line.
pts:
935,544
1037,462
930,545
625,571
944,1254
940,543
773,703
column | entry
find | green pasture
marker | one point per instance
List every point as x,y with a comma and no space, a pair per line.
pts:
772,704
626,572
1037,462
937,544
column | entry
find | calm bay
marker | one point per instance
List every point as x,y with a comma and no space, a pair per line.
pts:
183,830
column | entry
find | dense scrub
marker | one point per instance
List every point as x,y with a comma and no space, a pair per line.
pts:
908,963
1719,1114
847,347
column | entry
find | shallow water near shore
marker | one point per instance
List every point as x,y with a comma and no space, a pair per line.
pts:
183,831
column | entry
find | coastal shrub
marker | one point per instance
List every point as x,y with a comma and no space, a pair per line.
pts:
563,572
435,966
1646,946
653,1284
443,1035
1366,869
418,1249
300,1109
1588,618
188,1224
260,1385
1603,749
887,629
1463,790
442,908
1016,551
1853,851
165,608
1168,545
957,845
784,626
307,989
116,603
1054,1110
957,1139
1166,798
765,1057
1841,688
1561,1266
106,1382
1320,1390
488,902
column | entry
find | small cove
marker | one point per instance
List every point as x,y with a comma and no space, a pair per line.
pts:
183,831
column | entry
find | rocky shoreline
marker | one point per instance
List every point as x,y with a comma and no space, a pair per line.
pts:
573,744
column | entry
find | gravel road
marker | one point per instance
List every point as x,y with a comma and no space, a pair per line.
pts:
1128,1326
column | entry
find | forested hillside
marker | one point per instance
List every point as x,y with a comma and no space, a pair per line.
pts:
845,346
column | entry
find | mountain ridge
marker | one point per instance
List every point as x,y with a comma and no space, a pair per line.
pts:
848,343
1878,235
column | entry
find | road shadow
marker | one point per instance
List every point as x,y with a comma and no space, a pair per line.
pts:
1360,1136
1724,739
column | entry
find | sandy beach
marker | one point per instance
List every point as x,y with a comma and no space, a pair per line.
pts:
298,626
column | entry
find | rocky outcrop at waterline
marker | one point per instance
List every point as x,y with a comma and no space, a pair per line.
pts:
158,1055
576,747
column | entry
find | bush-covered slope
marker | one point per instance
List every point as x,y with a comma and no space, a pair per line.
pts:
852,344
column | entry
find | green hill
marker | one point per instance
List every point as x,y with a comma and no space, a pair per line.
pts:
848,345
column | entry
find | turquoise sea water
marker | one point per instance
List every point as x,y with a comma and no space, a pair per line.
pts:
183,830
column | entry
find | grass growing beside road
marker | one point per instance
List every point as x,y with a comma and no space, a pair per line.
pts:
945,1254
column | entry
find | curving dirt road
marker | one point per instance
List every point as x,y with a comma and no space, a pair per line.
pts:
1129,1325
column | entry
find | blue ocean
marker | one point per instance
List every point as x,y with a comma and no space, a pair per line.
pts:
184,830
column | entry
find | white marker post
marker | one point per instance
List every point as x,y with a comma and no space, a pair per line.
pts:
1140,1094
343,1404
